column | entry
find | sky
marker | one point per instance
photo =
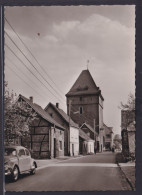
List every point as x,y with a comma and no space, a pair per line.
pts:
62,39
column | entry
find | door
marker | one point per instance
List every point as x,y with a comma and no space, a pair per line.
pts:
73,149
24,160
54,147
98,148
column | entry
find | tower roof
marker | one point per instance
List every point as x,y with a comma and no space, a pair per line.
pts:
84,85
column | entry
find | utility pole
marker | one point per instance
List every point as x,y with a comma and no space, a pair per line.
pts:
69,128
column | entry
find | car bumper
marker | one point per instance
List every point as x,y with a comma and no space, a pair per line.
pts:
8,172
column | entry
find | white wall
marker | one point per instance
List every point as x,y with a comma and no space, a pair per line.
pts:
74,141
90,146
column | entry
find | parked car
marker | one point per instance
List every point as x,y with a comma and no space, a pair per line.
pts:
17,161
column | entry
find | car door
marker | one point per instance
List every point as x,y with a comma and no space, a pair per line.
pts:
24,164
28,158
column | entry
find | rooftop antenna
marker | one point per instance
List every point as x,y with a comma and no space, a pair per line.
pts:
87,64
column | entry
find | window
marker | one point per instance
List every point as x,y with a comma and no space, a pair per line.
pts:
108,135
27,152
51,114
80,110
21,152
60,142
80,98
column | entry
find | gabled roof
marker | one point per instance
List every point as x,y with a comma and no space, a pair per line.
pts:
84,85
108,129
89,127
38,109
62,114
84,135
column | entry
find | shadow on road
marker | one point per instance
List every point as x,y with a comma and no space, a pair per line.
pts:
21,176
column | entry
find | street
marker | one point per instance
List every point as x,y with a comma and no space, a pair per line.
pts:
86,173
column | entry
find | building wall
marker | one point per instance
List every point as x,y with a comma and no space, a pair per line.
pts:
88,132
89,103
57,142
90,147
62,122
41,140
38,141
131,140
74,141
92,109
108,136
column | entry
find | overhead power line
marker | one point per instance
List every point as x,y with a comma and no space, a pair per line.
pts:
32,65
21,78
30,71
22,74
30,52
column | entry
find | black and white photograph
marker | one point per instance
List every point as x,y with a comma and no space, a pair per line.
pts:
69,98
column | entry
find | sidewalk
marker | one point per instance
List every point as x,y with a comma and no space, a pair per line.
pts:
128,169
46,162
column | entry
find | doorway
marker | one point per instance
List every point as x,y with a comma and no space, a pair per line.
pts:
54,147
73,149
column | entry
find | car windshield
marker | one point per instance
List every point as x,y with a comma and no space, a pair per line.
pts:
10,152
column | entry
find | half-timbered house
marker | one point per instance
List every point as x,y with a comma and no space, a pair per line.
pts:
46,136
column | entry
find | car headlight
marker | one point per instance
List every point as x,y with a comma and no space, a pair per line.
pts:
6,166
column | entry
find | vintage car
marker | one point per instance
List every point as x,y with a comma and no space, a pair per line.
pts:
17,161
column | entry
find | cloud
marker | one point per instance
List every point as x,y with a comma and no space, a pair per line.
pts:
65,28
100,36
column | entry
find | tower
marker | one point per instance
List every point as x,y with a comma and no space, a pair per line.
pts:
86,103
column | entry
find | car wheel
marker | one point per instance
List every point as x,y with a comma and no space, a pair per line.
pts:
33,171
15,173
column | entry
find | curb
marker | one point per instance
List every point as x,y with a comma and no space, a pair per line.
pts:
48,165
127,179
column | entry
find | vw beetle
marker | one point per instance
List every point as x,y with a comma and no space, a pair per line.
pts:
17,160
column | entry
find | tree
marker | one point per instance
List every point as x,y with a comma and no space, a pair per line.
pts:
17,116
130,103
117,142
128,112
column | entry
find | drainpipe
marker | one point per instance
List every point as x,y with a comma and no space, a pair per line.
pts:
69,128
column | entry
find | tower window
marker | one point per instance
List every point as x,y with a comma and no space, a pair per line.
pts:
80,98
80,110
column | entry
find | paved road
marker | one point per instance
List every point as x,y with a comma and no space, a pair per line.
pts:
88,173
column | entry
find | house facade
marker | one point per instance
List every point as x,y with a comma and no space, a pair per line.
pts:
86,144
108,137
71,132
85,105
46,137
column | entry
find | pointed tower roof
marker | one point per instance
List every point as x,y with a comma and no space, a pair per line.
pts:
84,85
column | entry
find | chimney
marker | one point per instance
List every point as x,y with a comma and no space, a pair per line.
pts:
57,105
31,99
